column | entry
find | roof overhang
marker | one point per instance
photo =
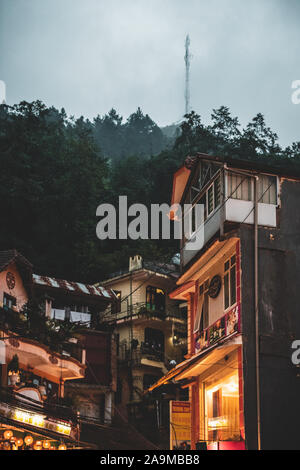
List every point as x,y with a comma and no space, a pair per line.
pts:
40,360
200,362
215,252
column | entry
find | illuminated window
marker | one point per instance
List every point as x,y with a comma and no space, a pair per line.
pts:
230,282
222,407
155,299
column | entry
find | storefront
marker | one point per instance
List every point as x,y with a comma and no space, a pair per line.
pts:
17,438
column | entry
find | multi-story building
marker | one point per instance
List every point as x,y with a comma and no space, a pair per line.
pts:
240,282
78,304
38,357
150,327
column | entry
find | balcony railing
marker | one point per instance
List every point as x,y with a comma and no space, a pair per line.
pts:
142,310
134,355
226,326
54,335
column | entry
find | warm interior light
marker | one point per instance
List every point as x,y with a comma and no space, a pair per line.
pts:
46,444
8,434
28,440
19,442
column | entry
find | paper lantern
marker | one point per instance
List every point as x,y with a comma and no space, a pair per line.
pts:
62,447
28,440
46,444
8,434
19,442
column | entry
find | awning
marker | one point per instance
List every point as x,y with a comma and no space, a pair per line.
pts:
198,363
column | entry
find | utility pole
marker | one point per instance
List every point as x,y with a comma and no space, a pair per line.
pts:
187,60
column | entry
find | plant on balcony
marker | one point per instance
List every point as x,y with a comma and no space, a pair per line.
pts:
52,333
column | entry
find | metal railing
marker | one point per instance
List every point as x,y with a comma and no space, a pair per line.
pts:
142,309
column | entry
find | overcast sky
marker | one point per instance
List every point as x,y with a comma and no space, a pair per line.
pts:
91,55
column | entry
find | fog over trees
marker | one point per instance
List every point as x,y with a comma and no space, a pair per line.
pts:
56,170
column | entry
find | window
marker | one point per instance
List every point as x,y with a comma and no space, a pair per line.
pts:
149,380
267,189
222,407
213,195
239,187
116,306
230,282
201,318
210,201
154,341
155,299
9,301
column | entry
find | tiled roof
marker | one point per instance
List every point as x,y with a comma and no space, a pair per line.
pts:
74,287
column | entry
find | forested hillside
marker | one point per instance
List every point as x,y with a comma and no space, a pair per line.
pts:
56,170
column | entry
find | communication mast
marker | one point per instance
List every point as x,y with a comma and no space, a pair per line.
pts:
187,60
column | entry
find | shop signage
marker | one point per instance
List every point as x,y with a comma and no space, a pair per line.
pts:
36,420
180,425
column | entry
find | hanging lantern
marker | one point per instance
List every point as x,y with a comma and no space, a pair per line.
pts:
8,434
19,442
46,444
62,447
38,446
28,440
52,448
13,439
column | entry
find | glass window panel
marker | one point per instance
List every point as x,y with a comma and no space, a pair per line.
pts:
232,285
239,187
267,189
210,200
226,291
222,408
217,191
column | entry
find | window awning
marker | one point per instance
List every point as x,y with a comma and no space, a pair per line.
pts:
198,363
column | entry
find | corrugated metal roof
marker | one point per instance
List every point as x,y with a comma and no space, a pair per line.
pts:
74,287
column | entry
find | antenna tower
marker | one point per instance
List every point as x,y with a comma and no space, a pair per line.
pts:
187,60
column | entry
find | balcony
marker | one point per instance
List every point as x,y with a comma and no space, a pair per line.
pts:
227,326
70,315
142,311
227,197
47,349
146,355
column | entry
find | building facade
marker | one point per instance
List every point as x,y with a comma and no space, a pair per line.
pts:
39,356
150,329
239,262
